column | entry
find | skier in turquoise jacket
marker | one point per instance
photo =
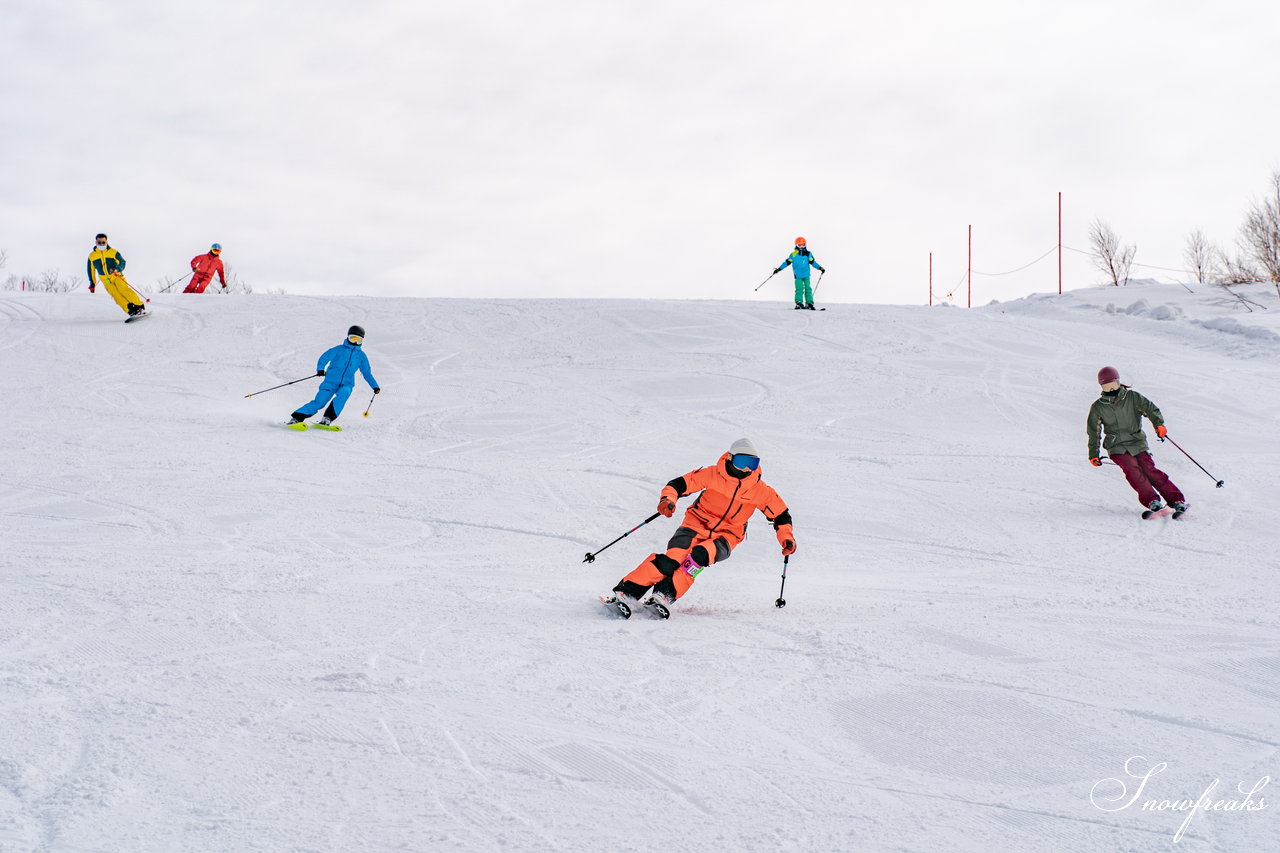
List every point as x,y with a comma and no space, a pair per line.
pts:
338,366
800,260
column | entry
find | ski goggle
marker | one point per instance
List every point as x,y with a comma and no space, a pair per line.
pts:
355,339
745,462
1111,386
102,242
215,251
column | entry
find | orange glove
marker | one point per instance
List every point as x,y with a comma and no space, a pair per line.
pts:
787,539
1161,431
1095,462
666,506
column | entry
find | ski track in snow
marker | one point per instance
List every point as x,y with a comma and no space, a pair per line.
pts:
218,635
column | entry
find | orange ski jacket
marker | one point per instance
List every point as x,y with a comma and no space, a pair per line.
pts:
728,501
206,265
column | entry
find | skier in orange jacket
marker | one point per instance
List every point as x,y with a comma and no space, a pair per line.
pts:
732,490
203,267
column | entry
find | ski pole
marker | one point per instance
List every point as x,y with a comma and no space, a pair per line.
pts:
591,558
370,406
165,289
274,387
818,283
1220,483
782,602
763,283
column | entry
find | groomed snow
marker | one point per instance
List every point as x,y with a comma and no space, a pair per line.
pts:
220,635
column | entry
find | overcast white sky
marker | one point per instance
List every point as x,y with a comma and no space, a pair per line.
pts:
652,148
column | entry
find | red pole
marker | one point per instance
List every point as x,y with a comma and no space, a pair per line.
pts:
1059,244
969,273
931,279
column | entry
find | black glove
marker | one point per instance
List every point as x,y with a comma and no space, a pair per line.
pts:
319,373
377,390
778,270
822,269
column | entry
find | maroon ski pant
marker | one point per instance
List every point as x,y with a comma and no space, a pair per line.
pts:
1147,480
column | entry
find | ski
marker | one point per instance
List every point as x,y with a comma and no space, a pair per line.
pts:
1174,511
300,425
329,427
657,608
616,606
137,316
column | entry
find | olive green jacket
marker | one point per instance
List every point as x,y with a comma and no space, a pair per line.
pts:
1121,416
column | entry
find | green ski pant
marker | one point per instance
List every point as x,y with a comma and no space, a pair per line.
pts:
804,293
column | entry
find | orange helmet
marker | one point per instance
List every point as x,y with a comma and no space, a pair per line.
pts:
800,241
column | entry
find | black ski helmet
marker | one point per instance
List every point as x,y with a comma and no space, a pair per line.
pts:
356,330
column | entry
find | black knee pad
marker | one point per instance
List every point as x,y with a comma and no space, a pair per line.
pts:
667,587
665,564
700,556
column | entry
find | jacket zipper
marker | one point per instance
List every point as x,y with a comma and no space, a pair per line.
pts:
726,511
343,374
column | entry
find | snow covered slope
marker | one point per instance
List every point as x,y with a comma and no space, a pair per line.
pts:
220,635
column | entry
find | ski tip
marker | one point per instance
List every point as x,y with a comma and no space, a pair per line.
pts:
298,426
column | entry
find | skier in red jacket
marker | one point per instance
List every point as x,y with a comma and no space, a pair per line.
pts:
203,267
716,523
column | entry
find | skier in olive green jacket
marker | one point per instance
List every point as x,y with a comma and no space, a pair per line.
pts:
1119,413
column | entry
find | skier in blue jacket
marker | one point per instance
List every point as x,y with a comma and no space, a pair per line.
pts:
800,260
338,366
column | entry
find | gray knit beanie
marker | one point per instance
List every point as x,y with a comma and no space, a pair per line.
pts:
744,445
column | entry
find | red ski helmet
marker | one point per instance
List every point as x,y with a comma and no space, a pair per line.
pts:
800,241
1108,374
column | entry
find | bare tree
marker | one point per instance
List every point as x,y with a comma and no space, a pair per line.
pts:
235,284
1201,257
1237,270
50,281
1109,256
1260,234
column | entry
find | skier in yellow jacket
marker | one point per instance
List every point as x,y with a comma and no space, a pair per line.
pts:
107,265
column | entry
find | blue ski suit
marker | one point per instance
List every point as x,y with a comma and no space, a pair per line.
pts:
800,261
340,365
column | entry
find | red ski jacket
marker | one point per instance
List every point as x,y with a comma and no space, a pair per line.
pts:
206,265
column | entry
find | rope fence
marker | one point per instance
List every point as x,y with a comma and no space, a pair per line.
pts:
965,275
